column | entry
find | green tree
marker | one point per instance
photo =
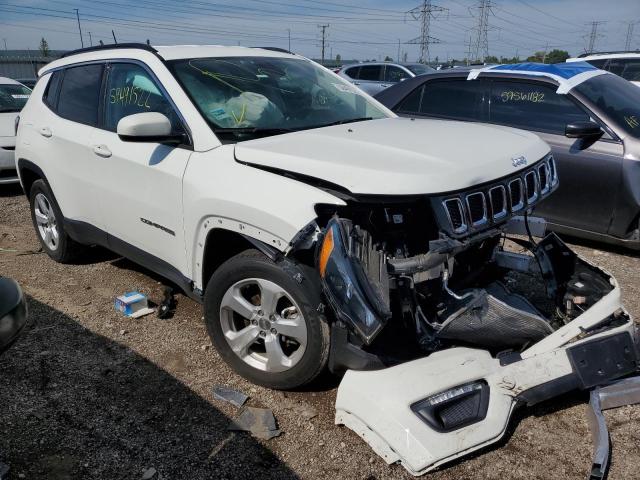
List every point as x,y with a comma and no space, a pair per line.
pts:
338,58
388,59
491,59
536,57
44,48
557,56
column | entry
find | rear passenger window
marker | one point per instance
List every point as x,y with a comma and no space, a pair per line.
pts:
411,104
457,99
51,92
352,72
533,106
370,72
130,90
80,94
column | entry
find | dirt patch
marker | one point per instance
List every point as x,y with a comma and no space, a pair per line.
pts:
87,393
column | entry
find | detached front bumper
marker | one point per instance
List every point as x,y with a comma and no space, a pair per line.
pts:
433,410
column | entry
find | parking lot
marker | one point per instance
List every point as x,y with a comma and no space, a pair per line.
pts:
88,393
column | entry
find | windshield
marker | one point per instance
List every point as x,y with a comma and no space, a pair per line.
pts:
616,97
13,97
419,69
246,97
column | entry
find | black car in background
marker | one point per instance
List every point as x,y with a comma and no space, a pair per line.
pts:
593,130
13,313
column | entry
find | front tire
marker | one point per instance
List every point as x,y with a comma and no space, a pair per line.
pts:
49,223
265,324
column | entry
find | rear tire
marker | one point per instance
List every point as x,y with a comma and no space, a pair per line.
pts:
49,224
265,324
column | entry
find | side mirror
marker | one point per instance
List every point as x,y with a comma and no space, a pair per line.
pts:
583,130
151,127
13,313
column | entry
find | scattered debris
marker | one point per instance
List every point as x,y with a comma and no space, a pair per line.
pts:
221,445
304,410
259,421
616,394
204,348
229,395
149,473
123,332
167,306
133,304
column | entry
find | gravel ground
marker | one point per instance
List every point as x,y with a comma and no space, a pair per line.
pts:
88,393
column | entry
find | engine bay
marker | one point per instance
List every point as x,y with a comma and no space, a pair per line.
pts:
396,300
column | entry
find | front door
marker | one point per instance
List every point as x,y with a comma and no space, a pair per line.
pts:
142,207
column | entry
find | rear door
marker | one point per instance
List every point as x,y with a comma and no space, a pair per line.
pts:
142,200
64,130
370,78
589,171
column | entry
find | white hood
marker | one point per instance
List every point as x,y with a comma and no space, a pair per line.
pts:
398,156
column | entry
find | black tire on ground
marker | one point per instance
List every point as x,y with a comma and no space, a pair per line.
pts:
252,264
66,248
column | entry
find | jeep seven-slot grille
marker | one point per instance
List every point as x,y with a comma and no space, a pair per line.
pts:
472,210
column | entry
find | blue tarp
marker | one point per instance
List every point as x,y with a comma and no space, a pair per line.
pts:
563,70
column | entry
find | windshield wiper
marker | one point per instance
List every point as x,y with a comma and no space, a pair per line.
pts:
255,130
342,122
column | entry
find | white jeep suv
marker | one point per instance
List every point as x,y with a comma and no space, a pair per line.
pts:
318,228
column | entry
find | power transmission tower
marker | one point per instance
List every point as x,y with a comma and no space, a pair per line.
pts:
424,13
481,42
630,26
324,37
594,35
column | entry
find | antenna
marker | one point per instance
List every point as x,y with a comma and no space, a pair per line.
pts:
424,13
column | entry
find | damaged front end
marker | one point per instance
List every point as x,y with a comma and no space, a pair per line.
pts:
447,318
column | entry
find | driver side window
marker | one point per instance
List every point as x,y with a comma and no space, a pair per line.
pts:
130,90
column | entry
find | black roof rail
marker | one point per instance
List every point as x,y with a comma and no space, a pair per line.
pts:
113,46
275,49
582,55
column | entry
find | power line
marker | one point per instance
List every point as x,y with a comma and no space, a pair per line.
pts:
324,30
79,28
424,13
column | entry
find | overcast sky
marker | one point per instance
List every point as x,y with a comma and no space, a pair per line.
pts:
364,30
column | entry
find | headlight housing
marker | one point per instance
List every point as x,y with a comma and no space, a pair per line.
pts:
350,292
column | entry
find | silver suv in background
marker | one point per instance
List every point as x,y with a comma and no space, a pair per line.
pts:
375,77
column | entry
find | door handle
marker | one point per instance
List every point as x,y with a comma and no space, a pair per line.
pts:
46,132
384,85
102,151
356,83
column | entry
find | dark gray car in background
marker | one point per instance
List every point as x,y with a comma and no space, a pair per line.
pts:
593,131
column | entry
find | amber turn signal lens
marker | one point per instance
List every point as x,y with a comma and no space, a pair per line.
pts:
325,251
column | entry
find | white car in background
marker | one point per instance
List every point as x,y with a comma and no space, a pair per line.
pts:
624,64
13,96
